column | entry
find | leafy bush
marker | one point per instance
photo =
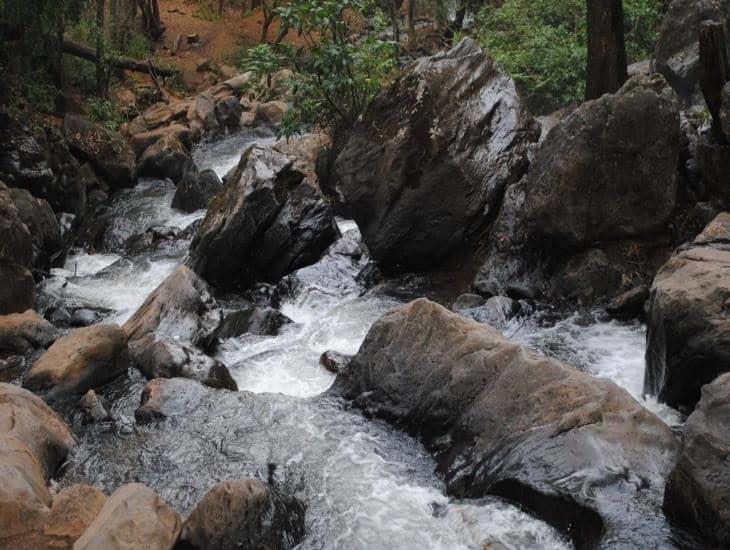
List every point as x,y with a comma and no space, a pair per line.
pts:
104,112
542,44
335,74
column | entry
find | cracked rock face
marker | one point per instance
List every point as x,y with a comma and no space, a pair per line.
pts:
688,321
267,222
426,167
500,419
591,217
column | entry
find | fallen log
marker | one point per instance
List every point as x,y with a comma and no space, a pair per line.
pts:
84,52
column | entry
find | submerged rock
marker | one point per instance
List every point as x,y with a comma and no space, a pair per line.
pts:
698,491
244,514
425,169
591,217
134,516
168,397
22,332
84,359
107,151
688,338
266,223
180,307
162,357
500,419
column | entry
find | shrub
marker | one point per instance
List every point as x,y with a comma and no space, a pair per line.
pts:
542,44
335,74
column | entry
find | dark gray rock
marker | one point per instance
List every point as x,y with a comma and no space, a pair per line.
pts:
500,419
265,223
94,408
228,112
334,362
107,151
591,218
630,304
49,249
688,338
17,293
17,242
244,514
181,308
426,167
677,49
163,357
168,397
196,190
698,491
166,158
262,321
468,301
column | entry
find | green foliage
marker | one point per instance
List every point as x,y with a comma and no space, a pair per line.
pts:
104,112
206,11
542,44
335,75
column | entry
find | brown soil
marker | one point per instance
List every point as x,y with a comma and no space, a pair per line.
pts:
219,38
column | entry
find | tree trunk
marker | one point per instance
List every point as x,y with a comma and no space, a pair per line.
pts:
150,10
268,10
606,48
394,20
714,71
79,50
411,18
57,68
101,87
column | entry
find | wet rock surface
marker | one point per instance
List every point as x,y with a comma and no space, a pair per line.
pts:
132,517
592,214
168,158
698,491
252,320
244,514
425,169
162,357
181,307
22,332
266,223
81,360
688,325
49,249
454,382
168,397
196,190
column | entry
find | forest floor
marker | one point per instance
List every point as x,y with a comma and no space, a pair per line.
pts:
219,36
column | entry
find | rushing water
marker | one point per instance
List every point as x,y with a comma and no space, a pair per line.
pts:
365,484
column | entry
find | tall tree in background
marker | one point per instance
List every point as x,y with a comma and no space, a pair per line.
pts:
101,69
606,47
150,11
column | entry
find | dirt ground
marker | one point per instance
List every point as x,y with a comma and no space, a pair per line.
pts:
218,38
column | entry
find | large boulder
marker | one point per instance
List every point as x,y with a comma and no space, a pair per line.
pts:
163,357
181,307
34,441
22,332
677,53
17,293
133,517
688,339
49,249
698,491
426,167
73,510
16,239
196,190
591,217
245,513
166,158
501,419
107,151
266,223
84,359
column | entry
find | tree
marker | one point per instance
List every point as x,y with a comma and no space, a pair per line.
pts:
150,11
101,69
606,67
